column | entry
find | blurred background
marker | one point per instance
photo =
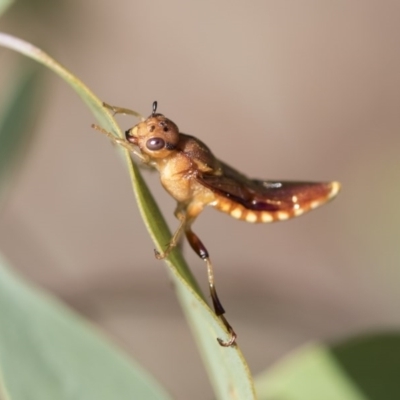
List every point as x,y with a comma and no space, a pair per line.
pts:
299,90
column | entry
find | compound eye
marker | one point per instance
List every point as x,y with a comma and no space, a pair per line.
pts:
155,143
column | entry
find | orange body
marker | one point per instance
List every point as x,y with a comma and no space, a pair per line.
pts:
195,178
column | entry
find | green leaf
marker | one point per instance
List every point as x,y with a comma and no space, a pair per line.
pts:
4,4
363,368
372,362
48,352
226,367
17,123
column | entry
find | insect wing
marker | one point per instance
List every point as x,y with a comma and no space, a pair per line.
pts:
264,200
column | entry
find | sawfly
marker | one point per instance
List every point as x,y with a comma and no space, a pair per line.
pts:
195,178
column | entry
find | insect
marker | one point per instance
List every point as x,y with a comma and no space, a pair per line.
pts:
195,178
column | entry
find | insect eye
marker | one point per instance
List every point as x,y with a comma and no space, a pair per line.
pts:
155,143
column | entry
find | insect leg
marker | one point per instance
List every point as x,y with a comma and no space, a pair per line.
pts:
175,238
121,110
120,142
202,252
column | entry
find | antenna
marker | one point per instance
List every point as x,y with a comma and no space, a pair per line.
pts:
154,107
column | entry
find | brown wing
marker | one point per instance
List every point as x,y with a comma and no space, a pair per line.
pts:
257,200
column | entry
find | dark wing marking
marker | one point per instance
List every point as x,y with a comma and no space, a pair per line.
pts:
263,195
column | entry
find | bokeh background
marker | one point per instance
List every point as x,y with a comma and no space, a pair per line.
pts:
301,90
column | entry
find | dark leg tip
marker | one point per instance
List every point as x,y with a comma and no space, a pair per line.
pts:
232,340
229,343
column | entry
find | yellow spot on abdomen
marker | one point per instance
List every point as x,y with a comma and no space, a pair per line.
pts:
315,204
282,215
335,189
251,217
236,213
266,217
298,211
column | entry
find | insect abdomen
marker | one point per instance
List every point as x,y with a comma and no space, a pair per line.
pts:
284,210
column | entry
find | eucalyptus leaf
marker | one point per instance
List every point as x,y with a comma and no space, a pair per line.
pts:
362,368
372,363
48,352
307,374
4,4
17,121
